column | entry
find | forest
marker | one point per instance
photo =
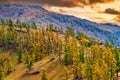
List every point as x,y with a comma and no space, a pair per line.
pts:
81,57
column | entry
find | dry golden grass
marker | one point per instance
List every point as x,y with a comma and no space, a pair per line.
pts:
54,69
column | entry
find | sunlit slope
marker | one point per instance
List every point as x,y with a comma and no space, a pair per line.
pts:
42,17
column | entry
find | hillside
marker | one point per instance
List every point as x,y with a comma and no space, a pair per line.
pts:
19,71
28,53
42,17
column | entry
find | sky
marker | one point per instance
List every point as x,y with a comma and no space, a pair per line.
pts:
100,11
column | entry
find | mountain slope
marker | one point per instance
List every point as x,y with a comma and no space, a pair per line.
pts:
42,17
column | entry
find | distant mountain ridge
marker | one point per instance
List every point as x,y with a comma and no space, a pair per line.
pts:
42,17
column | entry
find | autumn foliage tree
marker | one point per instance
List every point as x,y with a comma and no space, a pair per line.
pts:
89,59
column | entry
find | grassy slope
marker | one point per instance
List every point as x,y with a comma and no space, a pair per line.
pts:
54,69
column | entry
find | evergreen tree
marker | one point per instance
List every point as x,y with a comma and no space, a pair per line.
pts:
3,22
2,66
60,48
111,63
36,52
80,35
30,60
10,24
2,35
27,28
75,67
117,57
18,22
51,27
19,55
1,74
44,75
70,31
8,63
8,39
33,25
66,48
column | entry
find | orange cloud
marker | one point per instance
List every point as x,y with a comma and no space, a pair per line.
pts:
100,1
72,3
60,3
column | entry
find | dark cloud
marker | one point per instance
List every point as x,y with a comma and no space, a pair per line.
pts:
61,3
100,1
112,11
20,1
4,1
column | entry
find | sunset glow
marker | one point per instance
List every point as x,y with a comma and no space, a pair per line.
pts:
91,12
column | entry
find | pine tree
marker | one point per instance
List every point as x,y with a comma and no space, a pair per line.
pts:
3,22
70,31
60,48
75,67
81,53
117,57
2,35
19,24
9,38
30,64
51,27
8,63
36,52
111,63
97,71
19,55
80,35
34,25
30,61
2,66
27,28
66,48
10,24
1,74
44,75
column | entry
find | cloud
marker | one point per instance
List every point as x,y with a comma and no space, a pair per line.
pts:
4,1
112,11
100,1
63,3
60,3
72,3
117,18
61,10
